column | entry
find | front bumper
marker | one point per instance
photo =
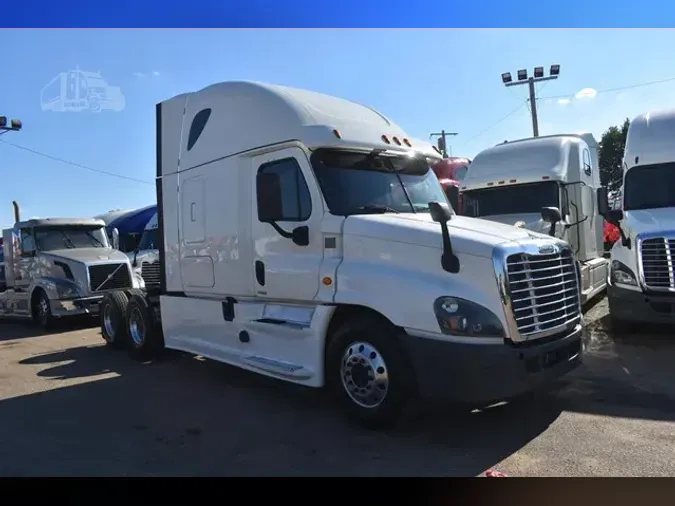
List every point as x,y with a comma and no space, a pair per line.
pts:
481,374
638,306
74,307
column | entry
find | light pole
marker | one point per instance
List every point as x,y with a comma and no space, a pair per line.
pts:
442,144
538,77
6,125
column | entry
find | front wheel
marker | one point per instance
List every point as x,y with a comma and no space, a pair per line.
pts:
146,340
369,373
42,311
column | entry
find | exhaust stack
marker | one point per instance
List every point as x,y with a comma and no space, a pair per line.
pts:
17,211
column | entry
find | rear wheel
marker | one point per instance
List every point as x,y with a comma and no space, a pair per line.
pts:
113,310
369,373
145,335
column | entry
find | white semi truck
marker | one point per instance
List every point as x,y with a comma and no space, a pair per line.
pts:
547,184
57,268
642,275
302,236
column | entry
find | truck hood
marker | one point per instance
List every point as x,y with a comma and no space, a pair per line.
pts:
470,236
87,255
648,220
532,221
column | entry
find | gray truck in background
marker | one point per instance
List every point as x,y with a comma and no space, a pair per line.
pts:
60,267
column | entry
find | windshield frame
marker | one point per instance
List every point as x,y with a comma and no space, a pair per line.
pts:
561,197
390,158
632,179
64,229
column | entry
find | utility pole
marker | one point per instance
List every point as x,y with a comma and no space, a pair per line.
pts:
442,144
9,125
538,77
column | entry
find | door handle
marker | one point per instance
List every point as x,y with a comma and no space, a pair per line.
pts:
260,272
192,211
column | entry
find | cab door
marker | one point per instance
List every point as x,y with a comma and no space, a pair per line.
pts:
284,270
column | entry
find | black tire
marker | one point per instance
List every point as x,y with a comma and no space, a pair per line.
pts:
42,311
113,313
145,336
378,342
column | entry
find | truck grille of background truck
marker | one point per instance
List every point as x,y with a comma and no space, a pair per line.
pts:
99,273
150,273
544,291
657,263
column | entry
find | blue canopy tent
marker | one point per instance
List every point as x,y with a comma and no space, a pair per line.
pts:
130,226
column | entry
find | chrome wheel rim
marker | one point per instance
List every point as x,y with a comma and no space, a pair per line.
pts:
364,375
136,326
43,309
108,322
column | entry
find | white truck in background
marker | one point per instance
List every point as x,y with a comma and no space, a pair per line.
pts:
302,236
547,184
642,278
57,268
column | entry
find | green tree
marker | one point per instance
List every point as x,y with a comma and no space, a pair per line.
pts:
610,155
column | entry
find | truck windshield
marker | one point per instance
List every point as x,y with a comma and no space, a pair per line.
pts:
55,238
514,199
362,183
148,240
649,187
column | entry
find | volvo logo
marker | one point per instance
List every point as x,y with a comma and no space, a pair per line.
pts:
548,249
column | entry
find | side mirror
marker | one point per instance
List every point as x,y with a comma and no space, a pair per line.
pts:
440,212
603,201
553,216
115,238
268,192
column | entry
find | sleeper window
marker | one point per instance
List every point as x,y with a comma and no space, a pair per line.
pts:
296,200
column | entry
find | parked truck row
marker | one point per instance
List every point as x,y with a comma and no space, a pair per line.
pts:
319,249
313,243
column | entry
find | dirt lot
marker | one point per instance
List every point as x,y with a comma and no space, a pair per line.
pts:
68,406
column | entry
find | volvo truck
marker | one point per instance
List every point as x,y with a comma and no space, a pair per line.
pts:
301,236
58,268
546,184
642,278
145,258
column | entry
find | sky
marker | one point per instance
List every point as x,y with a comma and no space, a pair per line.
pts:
425,80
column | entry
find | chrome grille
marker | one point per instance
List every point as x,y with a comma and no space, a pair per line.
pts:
656,255
544,291
150,273
109,277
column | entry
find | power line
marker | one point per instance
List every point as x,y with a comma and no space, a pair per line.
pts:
522,104
74,164
621,88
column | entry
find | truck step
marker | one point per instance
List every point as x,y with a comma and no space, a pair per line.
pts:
277,367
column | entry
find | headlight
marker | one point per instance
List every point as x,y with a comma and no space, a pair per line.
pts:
67,291
461,317
621,274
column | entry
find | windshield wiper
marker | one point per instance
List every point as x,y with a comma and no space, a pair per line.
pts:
69,241
377,209
92,236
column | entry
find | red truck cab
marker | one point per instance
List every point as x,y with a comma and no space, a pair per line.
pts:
450,171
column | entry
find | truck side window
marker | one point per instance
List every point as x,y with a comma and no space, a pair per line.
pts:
197,127
296,200
587,162
27,241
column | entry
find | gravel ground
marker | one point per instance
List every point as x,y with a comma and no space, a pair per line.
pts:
68,406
